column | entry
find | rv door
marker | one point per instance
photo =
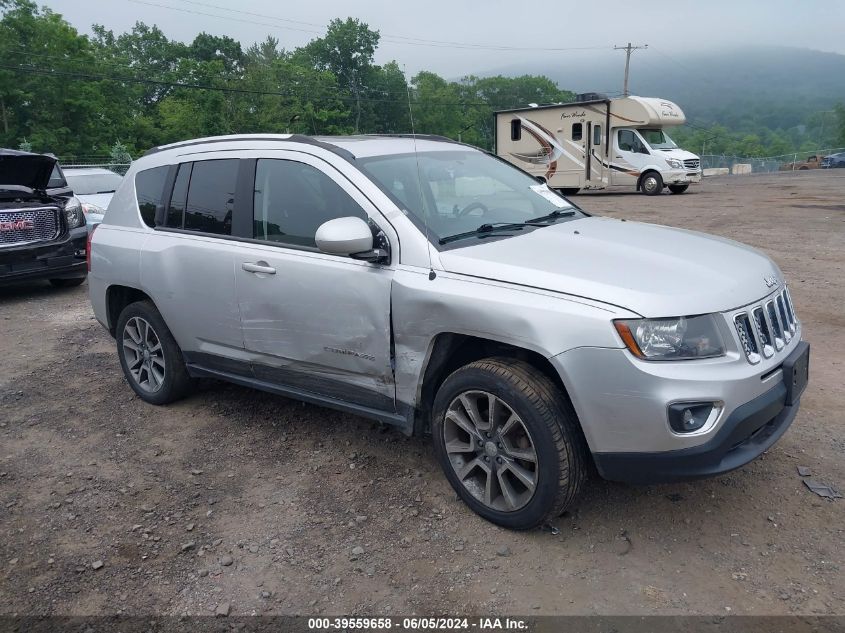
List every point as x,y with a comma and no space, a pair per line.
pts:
594,169
629,154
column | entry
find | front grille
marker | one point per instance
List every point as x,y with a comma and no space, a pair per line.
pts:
766,328
24,226
692,163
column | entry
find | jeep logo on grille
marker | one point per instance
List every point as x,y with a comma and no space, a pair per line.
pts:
16,225
771,281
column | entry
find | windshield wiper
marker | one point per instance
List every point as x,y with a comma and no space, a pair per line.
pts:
107,191
486,229
554,215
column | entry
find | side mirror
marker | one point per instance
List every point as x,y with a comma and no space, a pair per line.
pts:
349,236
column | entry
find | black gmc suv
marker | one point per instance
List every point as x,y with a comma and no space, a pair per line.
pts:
42,226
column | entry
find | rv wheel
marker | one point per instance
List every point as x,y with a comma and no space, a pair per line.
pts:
651,184
569,191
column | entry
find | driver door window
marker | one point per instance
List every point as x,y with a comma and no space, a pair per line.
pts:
626,140
293,199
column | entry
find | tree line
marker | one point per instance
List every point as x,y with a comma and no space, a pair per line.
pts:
82,96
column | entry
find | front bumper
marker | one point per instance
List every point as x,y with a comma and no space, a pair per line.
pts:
622,403
682,177
63,258
749,431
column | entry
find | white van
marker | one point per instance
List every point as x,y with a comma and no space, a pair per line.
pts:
597,142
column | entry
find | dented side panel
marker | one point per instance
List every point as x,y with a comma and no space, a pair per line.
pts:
543,322
320,323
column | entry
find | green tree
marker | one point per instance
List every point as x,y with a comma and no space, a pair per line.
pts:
347,52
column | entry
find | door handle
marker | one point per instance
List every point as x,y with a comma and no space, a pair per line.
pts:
258,267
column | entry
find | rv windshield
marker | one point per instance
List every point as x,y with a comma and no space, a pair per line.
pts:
457,192
657,138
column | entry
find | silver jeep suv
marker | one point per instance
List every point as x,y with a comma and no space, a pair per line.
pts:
429,285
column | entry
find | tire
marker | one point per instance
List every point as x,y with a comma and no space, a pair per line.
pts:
651,183
569,191
161,378
678,188
67,283
476,462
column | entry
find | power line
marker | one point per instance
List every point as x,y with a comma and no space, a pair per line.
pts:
391,39
61,60
228,89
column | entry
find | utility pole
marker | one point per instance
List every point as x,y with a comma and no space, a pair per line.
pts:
628,50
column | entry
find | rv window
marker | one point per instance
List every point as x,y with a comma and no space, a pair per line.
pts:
516,129
597,135
576,131
627,141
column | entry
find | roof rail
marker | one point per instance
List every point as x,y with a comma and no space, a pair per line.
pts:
289,138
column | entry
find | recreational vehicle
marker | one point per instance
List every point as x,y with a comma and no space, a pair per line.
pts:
597,142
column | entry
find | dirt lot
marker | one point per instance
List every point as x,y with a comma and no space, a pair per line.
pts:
109,505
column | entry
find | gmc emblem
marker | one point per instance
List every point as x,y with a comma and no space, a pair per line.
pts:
16,225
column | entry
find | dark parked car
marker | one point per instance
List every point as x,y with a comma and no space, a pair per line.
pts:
42,226
833,161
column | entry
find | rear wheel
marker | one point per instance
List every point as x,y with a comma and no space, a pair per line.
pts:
508,442
149,355
678,188
67,283
651,184
569,191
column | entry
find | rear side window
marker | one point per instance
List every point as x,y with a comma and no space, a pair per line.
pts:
203,198
293,199
179,197
211,196
149,190
577,131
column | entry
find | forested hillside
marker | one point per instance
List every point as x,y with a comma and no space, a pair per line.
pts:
78,96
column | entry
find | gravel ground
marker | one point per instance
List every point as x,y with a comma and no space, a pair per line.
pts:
242,502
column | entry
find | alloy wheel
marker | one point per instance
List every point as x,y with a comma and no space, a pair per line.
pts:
490,450
144,354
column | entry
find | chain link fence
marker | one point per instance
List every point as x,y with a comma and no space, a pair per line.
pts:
74,162
719,164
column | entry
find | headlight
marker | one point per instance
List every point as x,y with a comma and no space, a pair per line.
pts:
675,162
87,208
73,213
677,338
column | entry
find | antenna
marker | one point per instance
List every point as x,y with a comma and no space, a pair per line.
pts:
431,274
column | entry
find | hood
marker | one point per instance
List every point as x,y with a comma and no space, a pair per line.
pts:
655,271
24,169
682,154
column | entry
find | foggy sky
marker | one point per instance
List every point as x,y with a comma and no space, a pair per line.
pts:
678,27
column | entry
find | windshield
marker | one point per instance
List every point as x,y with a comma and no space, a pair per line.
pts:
458,191
657,138
87,184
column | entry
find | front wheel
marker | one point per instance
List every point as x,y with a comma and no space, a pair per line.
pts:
508,442
149,355
678,188
652,184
